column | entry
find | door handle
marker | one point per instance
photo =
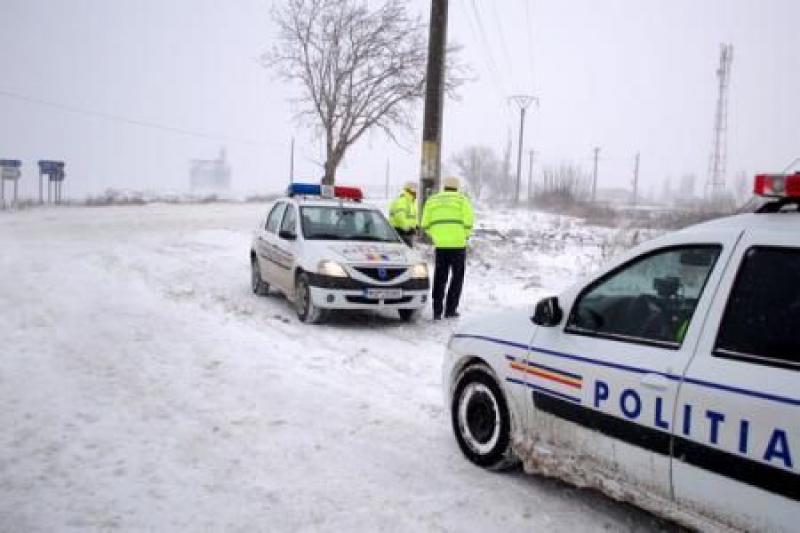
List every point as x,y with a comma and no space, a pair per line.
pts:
655,381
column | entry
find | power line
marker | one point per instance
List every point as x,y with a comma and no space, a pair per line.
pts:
130,121
529,35
482,32
500,33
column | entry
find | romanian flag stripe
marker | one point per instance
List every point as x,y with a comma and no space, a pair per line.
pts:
543,367
547,375
552,374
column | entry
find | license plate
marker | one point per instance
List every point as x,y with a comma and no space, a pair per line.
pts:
383,294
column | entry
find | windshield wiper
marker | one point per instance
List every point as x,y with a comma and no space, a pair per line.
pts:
368,238
325,236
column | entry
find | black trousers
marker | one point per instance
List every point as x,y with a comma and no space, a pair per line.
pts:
448,260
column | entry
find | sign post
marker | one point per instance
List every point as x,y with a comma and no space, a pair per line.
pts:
54,170
9,171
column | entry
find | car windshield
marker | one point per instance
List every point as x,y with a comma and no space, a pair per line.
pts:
345,224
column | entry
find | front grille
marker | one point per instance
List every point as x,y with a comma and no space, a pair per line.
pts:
374,301
381,274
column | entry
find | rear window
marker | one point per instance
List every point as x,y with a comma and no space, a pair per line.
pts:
761,322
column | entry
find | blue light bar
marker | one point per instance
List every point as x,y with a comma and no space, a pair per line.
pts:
305,189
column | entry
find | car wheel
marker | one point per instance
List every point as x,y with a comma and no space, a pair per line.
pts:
481,421
306,310
408,315
259,286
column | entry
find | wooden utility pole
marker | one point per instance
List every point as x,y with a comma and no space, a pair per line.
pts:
430,174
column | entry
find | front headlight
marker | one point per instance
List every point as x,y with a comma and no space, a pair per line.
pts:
331,268
420,270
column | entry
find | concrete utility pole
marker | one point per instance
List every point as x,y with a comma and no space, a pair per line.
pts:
523,101
635,178
291,163
430,174
387,178
594,174
530,174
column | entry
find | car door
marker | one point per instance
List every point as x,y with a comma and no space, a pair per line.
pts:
604,380
737,430
265,244
285,249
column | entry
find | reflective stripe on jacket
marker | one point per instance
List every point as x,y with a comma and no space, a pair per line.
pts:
447,217
403,212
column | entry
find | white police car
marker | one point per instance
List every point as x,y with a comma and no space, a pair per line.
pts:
326,250
670,380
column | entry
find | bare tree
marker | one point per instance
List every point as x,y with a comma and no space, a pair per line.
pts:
359,68
562,186
479,166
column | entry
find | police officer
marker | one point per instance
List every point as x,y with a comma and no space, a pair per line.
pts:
447,217
403,213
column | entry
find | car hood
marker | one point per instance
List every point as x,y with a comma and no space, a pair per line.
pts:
360,252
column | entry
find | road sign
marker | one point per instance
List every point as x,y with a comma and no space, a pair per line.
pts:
10,173
10,163
50,167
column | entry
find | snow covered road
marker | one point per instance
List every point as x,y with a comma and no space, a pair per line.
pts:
144,387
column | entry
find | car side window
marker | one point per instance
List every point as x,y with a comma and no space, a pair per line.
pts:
761,320
290,220
274,217
649,300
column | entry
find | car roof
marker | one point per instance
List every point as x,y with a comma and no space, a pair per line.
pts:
780,222
325,202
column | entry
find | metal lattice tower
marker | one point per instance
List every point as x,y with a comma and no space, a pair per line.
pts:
715,184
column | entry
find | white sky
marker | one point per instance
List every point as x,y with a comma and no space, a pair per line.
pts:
625,75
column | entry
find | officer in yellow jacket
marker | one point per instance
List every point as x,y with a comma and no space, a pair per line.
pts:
447,218
403,213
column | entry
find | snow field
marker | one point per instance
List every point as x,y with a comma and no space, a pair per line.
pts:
144,387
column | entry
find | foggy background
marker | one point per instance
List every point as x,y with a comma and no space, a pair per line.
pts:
128,91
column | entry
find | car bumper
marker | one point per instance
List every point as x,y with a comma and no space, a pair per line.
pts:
347,293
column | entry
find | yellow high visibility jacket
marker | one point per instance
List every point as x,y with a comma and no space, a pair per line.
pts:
403,212
447,217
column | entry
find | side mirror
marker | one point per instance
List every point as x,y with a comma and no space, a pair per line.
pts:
286,234
547,312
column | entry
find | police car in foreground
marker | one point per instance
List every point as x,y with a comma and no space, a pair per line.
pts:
326,250
670,380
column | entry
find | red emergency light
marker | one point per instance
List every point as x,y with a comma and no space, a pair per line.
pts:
350,193
778,185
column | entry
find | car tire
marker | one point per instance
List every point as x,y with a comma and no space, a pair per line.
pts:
306,310
259,286
408,315
481,420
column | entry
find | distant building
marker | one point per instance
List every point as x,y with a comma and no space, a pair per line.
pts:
210,175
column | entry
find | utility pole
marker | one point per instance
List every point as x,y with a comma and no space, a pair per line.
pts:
523,101
430,174
291,163
530,175
594,174
635,178
387,178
